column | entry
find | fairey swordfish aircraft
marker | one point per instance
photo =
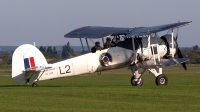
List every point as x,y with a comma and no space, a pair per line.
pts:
139,48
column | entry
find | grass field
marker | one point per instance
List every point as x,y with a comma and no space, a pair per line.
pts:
110,91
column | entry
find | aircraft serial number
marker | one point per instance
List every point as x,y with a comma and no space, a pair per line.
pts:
65,70
50,73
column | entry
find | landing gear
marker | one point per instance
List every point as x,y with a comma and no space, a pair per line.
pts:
161,80
138,82
34,84
137,79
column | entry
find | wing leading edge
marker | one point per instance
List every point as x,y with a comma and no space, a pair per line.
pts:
99,32
96,32
149,30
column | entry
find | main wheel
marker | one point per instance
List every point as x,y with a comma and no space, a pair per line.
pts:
134,83
161,80
34,84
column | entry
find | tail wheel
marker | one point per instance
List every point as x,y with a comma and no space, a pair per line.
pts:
99,73
161,80
34,84
138,83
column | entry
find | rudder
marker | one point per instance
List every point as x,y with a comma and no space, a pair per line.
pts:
26,57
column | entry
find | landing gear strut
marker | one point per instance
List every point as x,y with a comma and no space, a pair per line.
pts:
136,79
34,84
161,79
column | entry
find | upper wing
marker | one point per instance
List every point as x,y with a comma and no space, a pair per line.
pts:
149,30
99,32
96,32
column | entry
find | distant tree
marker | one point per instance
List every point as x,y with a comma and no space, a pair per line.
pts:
6,58
67,51
64,54
193,56
49,54
42,49
54,50
196,47
49,50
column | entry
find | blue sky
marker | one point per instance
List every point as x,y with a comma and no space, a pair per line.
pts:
46,21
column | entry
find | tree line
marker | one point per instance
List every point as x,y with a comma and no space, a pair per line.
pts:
52,55
193,55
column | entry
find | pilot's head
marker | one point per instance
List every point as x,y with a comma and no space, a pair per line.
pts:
108,39
117,38
97,43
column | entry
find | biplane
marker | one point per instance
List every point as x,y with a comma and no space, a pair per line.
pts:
138,48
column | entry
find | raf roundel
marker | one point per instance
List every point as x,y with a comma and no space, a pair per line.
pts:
105,59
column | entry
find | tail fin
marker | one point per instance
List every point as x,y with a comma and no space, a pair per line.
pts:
26,57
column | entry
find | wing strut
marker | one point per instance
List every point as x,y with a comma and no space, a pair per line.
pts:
149,43
135,58
103,41
172,42
157,47
82,45
87,44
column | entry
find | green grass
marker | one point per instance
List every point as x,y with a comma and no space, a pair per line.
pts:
108,92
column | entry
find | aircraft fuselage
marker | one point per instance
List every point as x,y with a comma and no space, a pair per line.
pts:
115,57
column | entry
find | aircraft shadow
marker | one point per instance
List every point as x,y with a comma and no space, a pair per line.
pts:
13,86
2,86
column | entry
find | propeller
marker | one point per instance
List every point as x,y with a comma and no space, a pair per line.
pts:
179,51
181,56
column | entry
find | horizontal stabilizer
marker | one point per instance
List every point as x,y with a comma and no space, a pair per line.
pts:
36,69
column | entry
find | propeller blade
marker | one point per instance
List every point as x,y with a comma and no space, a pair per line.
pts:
184,66
179,53
181,56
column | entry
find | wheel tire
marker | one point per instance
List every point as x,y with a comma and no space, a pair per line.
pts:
99,73
139,83
34,84
161,80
